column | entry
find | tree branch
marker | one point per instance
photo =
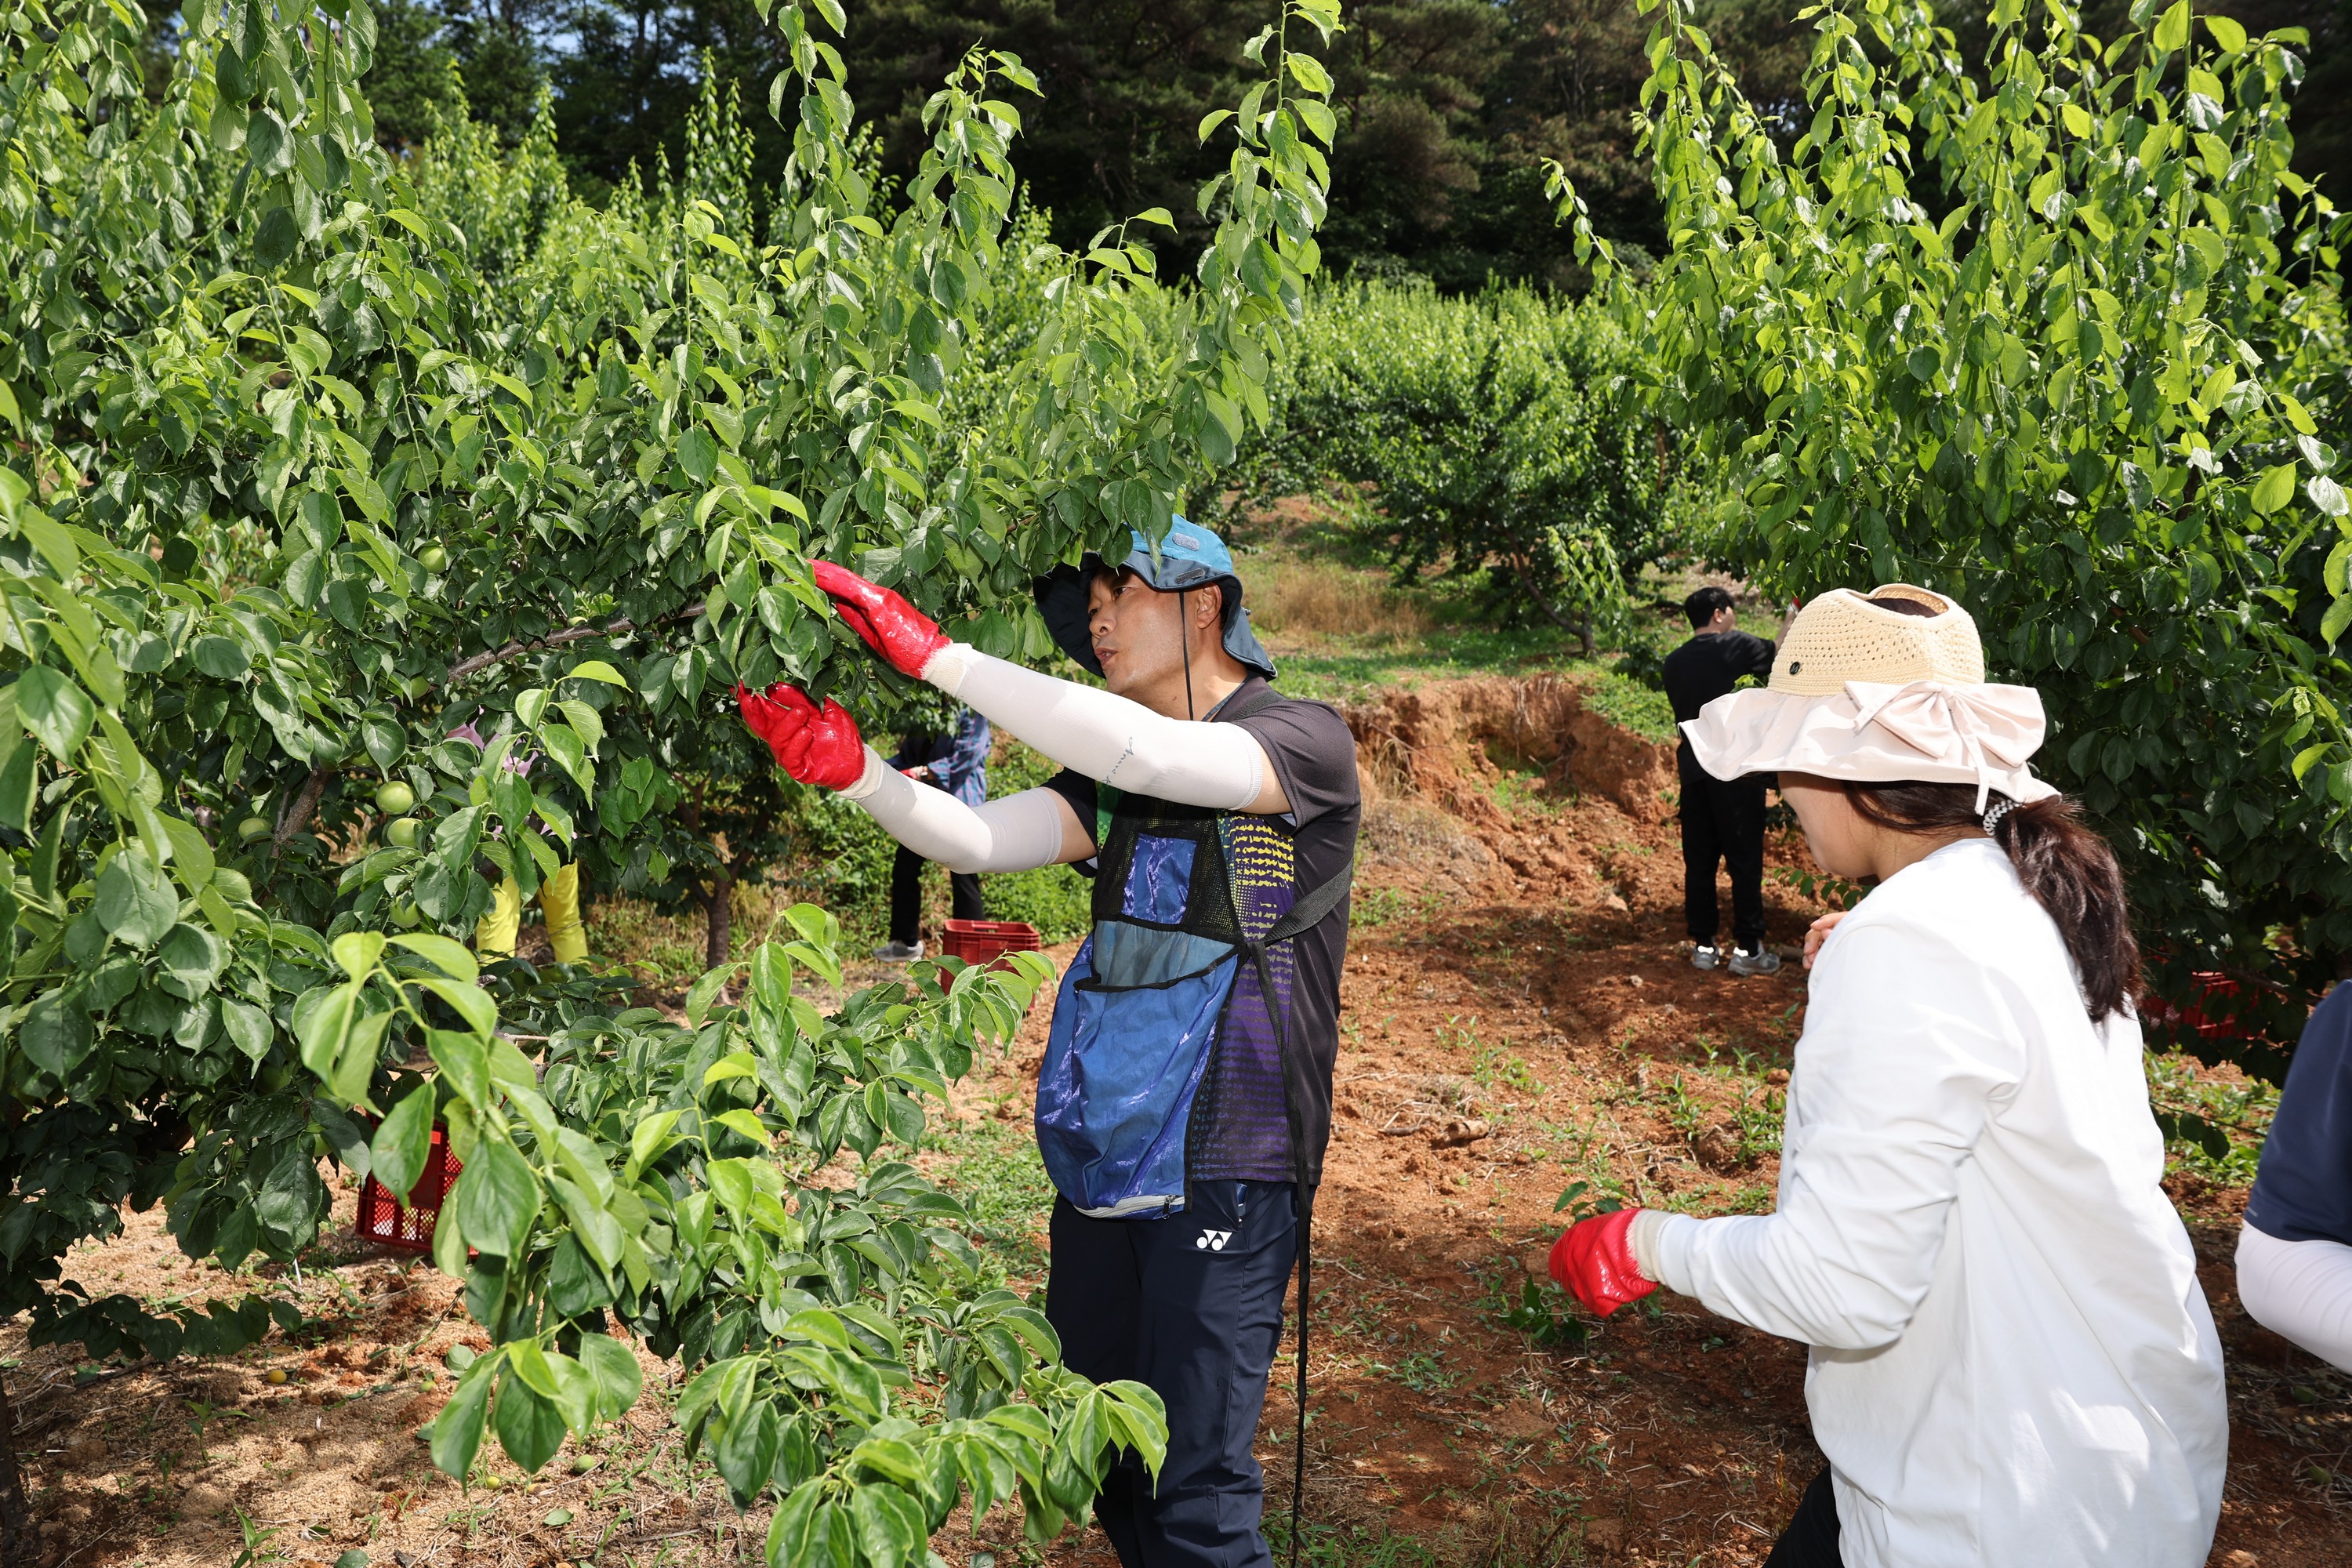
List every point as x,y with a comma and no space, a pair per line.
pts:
296,814
611,628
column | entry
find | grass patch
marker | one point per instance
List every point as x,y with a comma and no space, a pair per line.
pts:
2214,1126
1350,1546
994,1166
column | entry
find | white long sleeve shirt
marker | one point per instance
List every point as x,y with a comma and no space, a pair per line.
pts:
2012,1361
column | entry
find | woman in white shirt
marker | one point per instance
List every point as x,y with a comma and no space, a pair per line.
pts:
2012,1361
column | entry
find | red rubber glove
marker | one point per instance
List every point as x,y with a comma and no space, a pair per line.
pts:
901,634
815,746
1593,1260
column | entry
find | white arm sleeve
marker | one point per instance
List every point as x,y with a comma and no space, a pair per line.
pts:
1110,738
1018,833
2301,1289
1868,1175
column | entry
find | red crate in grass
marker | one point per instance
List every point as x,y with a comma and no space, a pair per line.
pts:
987,942
382,1219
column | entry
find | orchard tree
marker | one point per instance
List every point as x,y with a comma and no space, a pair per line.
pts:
315,457
2059,332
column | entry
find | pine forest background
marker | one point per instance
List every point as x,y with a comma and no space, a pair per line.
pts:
1447,108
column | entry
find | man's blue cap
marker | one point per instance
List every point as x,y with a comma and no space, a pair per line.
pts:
1189,556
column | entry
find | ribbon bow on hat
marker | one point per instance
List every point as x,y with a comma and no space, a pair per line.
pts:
1990,731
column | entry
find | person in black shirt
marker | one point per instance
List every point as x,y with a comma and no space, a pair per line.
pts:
1721,821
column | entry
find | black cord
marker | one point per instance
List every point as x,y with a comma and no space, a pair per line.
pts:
1306,1282
1184,625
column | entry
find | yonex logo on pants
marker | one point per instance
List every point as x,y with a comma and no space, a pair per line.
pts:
1213,1240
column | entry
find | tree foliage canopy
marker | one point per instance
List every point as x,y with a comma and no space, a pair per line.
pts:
318,458
2067,347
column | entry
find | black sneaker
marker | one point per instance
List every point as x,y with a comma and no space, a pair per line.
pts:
1763,960
1706,957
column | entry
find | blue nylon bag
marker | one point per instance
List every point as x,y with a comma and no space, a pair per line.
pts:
1122,1065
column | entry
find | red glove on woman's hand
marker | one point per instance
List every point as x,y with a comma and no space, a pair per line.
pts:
901,634
1593,1260
815,746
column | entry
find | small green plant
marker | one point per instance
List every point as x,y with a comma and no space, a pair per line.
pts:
1423,1372
1376,906
256,1540
2211,1127
1820,886
1537,1314
1577,1201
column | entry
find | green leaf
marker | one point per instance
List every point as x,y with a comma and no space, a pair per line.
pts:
473,1003
2274,489
613,1366
698,454
194,957
2326,495
889,1522
2228,35
56,1033
401,1146
596,670
496,1199
647,1141
464,1061
529,1426
745,1122
136,901
58,712
2172,30
356,952
222,659
457,1432
698,998
322,1024
248,1027
354,1069
453,957
2339,616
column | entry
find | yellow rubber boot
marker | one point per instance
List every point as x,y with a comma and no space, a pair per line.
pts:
559,901
495,936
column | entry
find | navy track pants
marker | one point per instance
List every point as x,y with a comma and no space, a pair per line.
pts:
1190,1306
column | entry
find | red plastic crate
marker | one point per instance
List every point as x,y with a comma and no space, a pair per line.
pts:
384,1222
987,942
2214,993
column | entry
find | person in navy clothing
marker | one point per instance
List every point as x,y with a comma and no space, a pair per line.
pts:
957,763
1184,1101
2295,1254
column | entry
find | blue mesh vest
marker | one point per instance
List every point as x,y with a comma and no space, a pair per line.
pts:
1148,1002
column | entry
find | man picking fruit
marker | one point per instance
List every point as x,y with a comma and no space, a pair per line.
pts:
1185,1098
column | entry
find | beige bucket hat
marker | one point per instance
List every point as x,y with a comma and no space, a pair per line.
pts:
1862,691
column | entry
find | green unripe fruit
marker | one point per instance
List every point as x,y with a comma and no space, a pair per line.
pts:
433,558
404,914
253,827
394,799
401,832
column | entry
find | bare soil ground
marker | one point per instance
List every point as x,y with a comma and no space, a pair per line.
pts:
1519,1014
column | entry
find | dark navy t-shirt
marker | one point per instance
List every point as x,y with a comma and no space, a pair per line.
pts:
2304,1189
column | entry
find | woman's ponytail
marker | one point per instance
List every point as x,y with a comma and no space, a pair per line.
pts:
2067,867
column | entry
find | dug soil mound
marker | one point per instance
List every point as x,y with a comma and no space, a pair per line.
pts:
1454,742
